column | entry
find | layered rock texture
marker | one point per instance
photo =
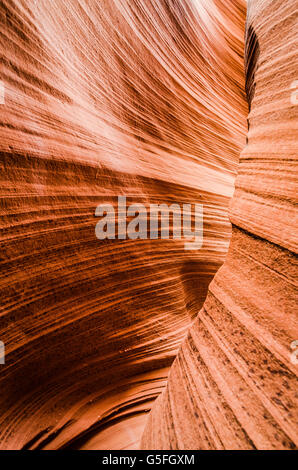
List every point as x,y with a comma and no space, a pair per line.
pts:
234,382
105,98
146,99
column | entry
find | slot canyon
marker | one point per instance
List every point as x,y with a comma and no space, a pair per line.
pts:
141,343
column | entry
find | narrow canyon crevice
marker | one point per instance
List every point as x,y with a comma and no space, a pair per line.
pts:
146,100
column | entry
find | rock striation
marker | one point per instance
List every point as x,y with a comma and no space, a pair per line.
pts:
99,99
233,384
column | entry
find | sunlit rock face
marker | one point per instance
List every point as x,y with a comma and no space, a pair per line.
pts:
105,98
234,382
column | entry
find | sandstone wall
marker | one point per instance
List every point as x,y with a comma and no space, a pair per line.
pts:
233,384
107,98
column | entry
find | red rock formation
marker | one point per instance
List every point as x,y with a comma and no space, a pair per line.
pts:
233,384
138,98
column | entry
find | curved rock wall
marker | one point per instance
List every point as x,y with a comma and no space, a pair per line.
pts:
131,97
234,382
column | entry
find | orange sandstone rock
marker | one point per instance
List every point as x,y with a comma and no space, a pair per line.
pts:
143,99
233,384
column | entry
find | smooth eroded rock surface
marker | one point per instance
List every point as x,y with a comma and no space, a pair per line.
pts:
234,382
106,98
